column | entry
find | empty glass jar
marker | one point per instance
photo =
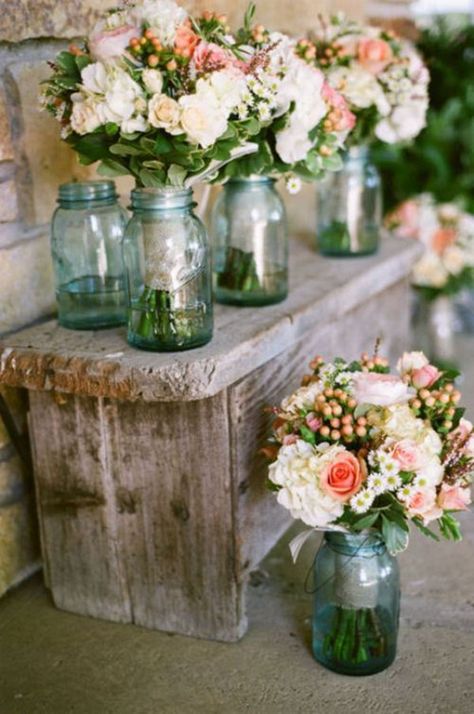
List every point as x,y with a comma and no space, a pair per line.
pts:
168,271
349,207
250,243
87,232
356,604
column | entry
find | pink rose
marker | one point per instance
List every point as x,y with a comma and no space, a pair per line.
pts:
407,454
454,498
342,478
405,220
185,41
425,376
343,119
382,390
423,504
209,56
313,421
106,44
374,55
290,439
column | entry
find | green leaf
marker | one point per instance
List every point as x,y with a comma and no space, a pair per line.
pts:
307,434
153,164
125,150
82,61
176,175
111,128
449,527
151,179
162,145
426,531
67,63
108,167
366,521
395,537
273,486
93,146
361,410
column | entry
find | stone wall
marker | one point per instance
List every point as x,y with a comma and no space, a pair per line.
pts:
33,162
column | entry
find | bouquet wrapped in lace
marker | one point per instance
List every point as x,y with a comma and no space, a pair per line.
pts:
360,452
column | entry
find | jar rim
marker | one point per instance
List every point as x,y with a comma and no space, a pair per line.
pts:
354,543
84,191
157,199
252,179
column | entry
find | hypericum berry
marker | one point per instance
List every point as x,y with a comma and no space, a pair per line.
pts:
361,431
325,431
416,404
335,423
455,396
327,411
448,424
424,394
347,430
337,410
346,419
149,34
152,60
328,392
430,402
444,398
172,65
335,435
351,403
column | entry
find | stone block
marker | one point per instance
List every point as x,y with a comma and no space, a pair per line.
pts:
19,550
8,201
13,481
6,149
26,287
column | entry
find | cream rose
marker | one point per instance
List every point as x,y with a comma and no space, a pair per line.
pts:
87,114
164,113
202,121
153,80
381,390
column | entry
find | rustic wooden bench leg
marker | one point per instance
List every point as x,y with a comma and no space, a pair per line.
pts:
137,516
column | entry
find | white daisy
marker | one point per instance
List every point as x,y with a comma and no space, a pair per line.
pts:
362,501
377,483
293,184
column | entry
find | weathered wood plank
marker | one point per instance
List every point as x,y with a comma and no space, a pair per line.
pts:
101,364
75,507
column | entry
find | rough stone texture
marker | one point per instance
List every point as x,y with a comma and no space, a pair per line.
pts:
19,552
8,200
102,364
22,19
26,286
6,148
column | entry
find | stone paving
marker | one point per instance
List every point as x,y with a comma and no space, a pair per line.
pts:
52,662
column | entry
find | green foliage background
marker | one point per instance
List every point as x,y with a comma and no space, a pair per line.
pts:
441,159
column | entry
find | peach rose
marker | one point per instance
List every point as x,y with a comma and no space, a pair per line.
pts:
442,239
381,390
343,477
425,376
454,498
209,55
407,455
374,55
185,41
423,504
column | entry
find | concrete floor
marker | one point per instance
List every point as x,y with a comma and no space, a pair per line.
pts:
52,662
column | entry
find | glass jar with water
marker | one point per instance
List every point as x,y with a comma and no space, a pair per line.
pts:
86,241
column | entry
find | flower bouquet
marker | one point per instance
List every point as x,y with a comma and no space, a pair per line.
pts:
384,82
363,454
158,95
445,270
304,123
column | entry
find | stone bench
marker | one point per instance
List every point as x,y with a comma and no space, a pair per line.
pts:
151,493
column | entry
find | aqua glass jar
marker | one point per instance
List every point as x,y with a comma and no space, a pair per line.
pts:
86,242
250,243
168,272
356,604
349,207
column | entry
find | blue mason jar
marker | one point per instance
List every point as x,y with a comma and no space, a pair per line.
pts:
356,604
86,241
250,243
349,207
168,272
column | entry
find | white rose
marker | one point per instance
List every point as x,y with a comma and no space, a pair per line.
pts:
430,271
432,471
410,361
153,80
381,390
404,123
202,121
130,126
94,78
120,96
303,398
163,17
164,113
111,37
454,260
227,86
87,114
292,144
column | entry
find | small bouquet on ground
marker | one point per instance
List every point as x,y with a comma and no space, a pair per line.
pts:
358,450
447,234
381,77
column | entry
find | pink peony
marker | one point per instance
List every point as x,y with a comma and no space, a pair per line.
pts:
407,454
454,498
185,41
374,55
423,504
208,55
106,44
425,376
342,478
381,390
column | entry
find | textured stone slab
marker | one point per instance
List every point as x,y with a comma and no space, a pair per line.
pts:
101,364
